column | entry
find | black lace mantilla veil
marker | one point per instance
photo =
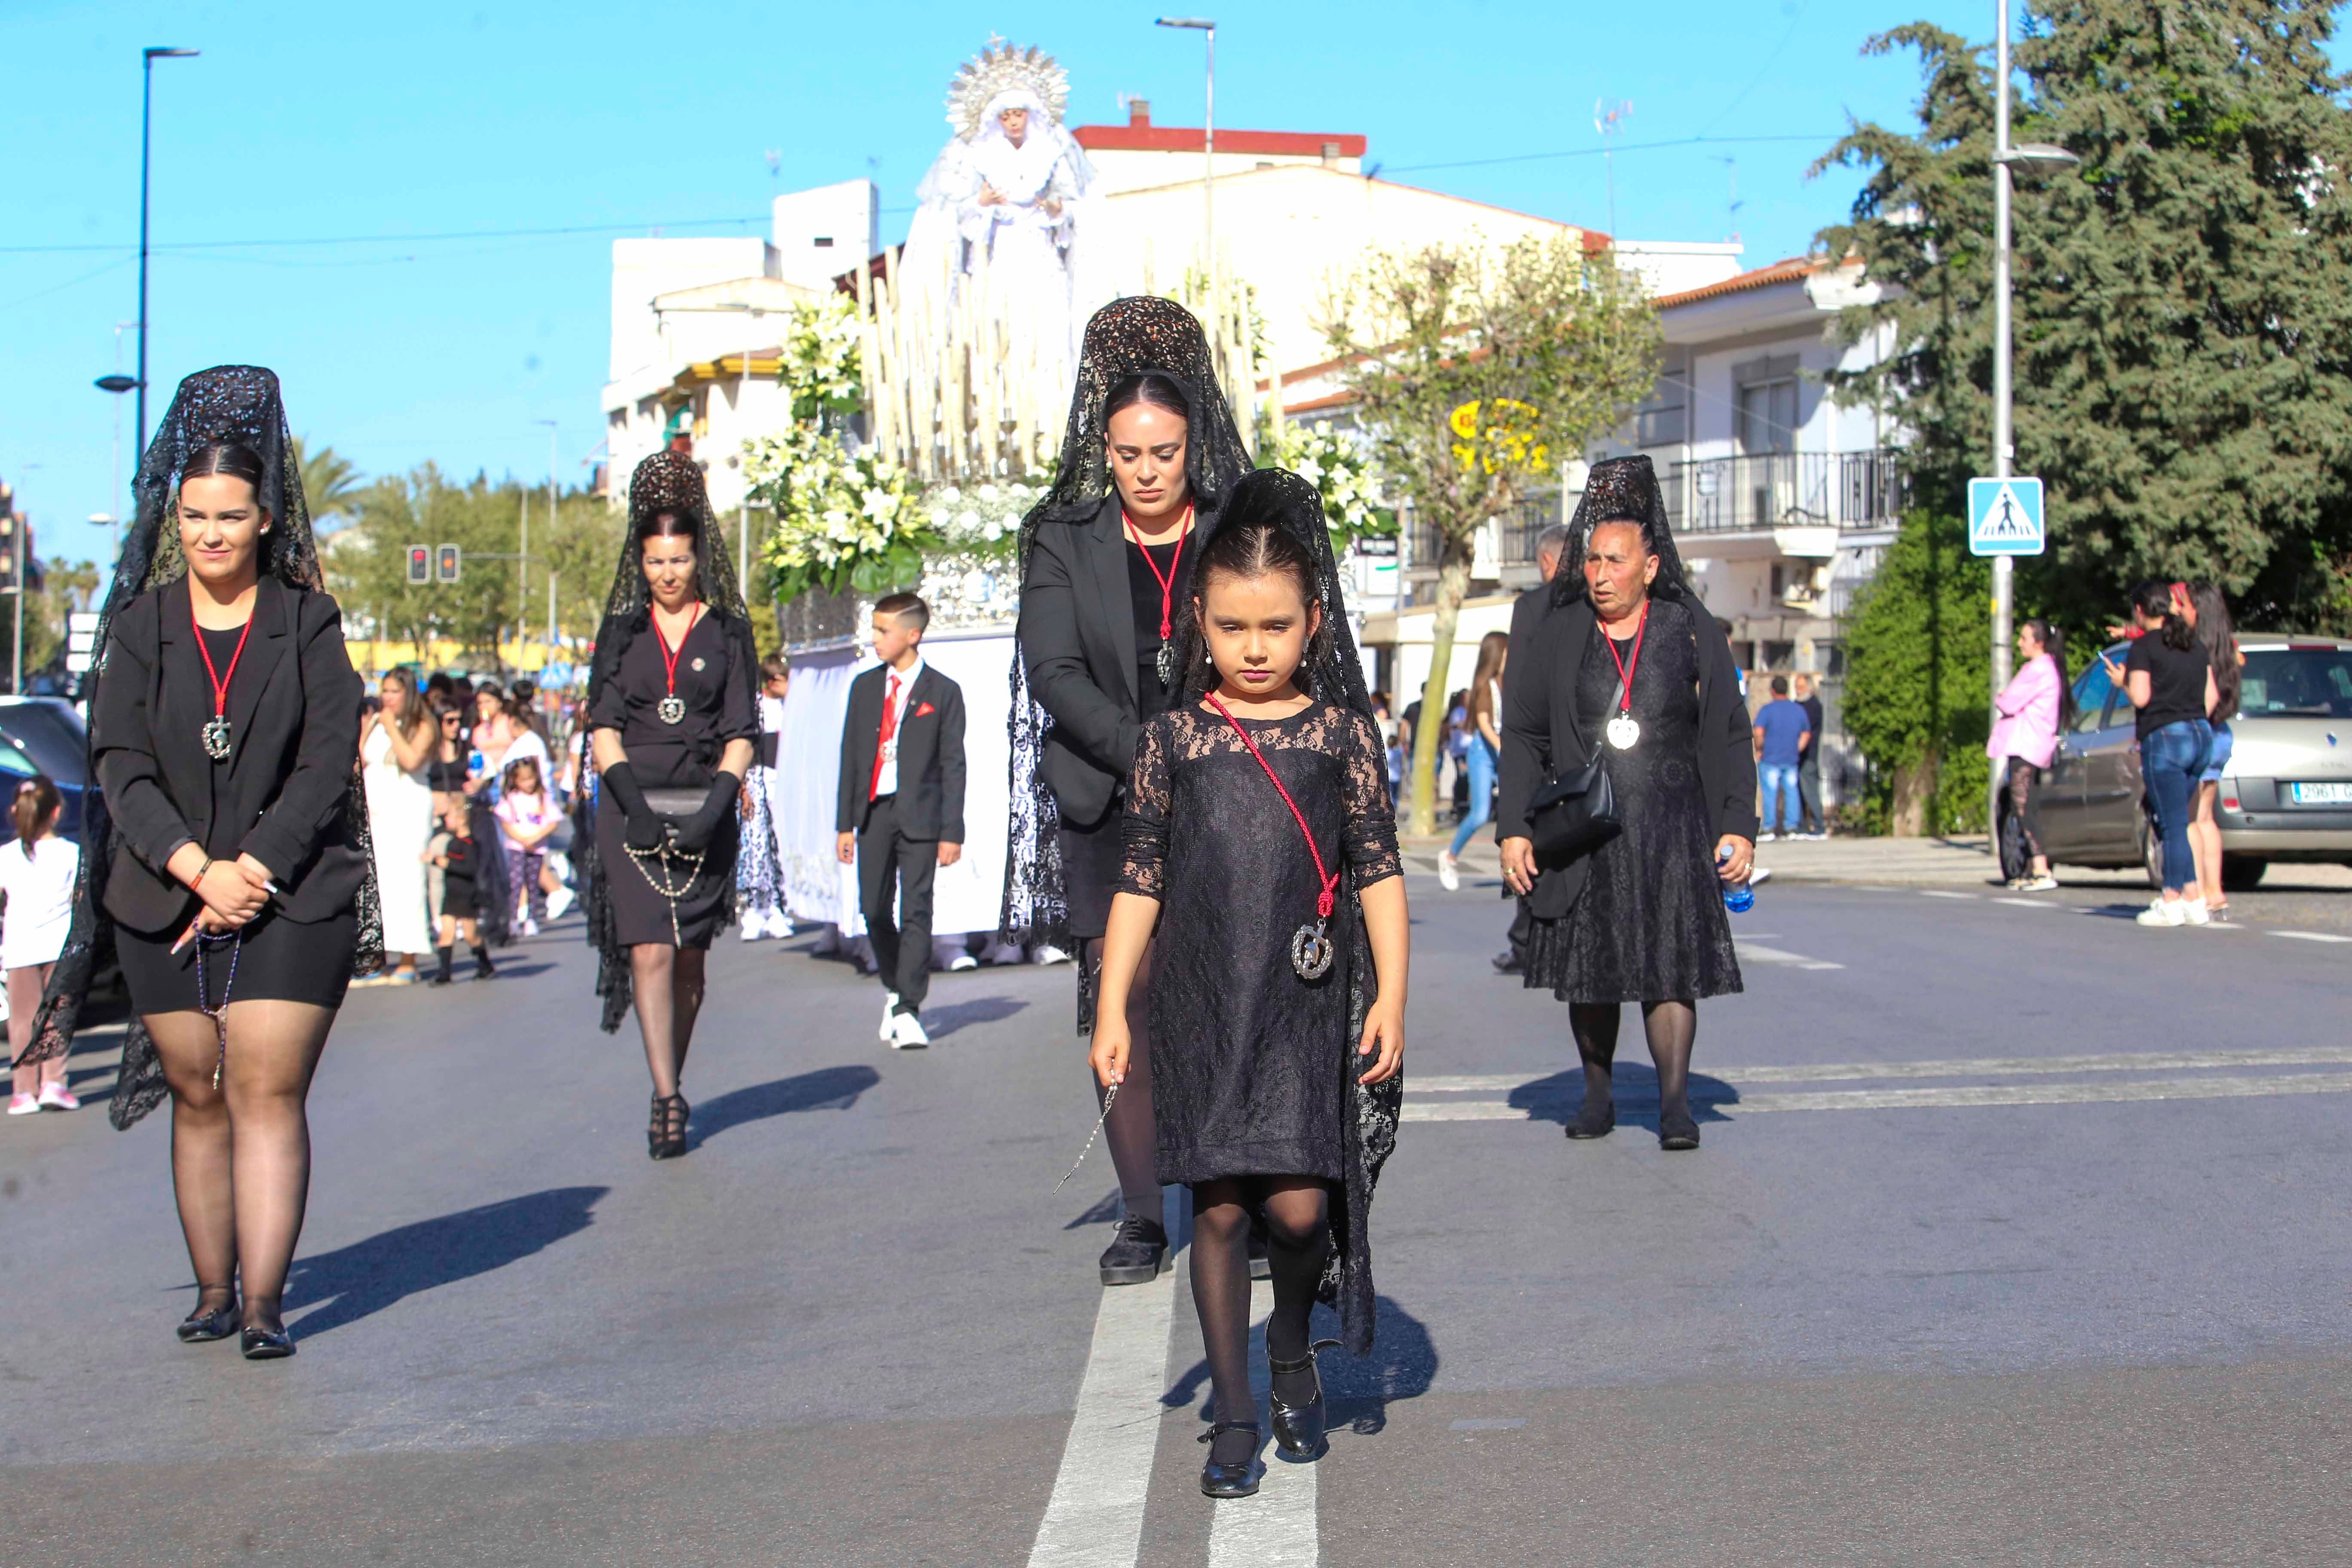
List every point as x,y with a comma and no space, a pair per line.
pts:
232,402
666,482
1126,337
1621,489
1334,674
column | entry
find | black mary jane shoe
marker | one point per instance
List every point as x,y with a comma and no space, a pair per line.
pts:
1222,1480
1677,1132
1594,1121
201,1327
665,1134
1298,1429
266,1339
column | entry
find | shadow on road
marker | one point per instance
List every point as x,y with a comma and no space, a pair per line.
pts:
827,1089
1357,1390
1102,1211
368,1276
941,1022
1559,1097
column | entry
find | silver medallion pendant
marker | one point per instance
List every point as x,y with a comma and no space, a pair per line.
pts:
1311,951
670,708
215,736
1166,662
1623,732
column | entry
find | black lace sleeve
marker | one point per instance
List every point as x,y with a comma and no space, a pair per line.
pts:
1371,836
1147,811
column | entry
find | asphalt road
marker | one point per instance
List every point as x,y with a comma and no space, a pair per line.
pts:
2017,1234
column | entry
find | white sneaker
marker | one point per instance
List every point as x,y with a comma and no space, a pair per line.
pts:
889,1011
529,928
964,961
2163,912
1048,954
22,1105
559,900
2044,883
754,928
1448,877
2196,912
1767,837
780,925
57,1097
907,1033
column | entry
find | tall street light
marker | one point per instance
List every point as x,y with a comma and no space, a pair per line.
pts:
146,118
2027,155
522,561
1208,161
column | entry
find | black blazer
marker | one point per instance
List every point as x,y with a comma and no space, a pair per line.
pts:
294,733
930,755
1079,642
1541,734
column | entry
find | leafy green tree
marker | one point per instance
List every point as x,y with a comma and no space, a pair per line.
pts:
1477,372
2183,299
1918,661
330,482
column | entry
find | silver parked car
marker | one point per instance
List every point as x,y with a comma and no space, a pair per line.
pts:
2287,794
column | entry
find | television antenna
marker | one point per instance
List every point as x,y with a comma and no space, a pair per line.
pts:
1609,120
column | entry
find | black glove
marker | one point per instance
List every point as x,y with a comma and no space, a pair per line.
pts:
695,831
644,830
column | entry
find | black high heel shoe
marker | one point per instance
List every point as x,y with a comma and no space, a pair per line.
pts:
201,1327
665,1134
264,1338
1299,1428
1219,1479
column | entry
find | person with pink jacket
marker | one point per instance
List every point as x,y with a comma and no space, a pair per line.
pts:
2033,707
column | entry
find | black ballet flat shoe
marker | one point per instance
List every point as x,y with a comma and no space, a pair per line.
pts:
665,1134
1222,1481
1677,1132
1134,1255
201,1327
266,1339
1299,1428
1594,1121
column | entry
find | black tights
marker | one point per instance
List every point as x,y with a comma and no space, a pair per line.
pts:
241,1152
667,986
1671,1026
1299,1237
1130,1132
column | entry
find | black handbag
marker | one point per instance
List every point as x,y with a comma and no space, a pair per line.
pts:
674,807
1573,813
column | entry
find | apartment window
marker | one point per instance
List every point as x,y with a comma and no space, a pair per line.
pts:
1768,416
1661,419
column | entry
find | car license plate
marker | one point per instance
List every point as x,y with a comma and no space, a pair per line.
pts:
2322,794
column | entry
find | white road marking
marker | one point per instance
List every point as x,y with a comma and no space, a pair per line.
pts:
1937,893
1095,1517
1970,1067
2312,936
2029,903
1751,949
1954,1095
1275,1529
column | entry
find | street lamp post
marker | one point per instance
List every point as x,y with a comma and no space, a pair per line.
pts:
522,559
1208,161
146,116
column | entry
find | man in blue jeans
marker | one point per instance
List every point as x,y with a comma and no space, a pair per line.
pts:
1783,731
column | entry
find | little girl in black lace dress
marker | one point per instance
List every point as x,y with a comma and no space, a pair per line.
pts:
1258,824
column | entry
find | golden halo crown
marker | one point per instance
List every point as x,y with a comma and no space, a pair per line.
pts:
999,67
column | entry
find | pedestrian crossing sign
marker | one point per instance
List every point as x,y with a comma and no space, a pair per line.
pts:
2005,517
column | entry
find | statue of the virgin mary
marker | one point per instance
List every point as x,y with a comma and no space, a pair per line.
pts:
1008,195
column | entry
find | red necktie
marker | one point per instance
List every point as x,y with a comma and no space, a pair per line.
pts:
882,746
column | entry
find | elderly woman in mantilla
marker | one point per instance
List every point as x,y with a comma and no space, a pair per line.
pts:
1628,795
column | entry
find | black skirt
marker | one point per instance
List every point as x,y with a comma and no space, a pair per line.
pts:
278,960
640,912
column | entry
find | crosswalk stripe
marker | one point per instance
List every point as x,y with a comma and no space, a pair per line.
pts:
1762,954
1970,1066
1954,1095
1277,1528
2312,935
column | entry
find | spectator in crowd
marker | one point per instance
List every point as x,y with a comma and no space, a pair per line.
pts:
2169,677
760,873
2034,707
1480,746
1781,733
455,853
1551,544
2217,634
397,745
36,883
527,816
1814,824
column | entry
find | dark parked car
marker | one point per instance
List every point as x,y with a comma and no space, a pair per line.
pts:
2288,792
44,734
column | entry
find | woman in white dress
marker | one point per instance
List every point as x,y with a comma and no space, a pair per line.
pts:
395,743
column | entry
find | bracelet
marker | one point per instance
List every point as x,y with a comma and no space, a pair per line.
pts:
197,881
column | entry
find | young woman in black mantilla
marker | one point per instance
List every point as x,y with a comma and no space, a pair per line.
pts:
1107,558
1627,664
234,878
673,712
1261,868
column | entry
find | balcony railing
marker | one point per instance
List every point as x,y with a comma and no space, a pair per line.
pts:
1786,489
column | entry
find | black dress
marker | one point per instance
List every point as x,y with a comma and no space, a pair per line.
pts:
276,959
1250,1064
683,755
1649,924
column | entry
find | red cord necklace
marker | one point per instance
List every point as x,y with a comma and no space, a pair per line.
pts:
1166,661
670,708
1624,730
215,729
1310,948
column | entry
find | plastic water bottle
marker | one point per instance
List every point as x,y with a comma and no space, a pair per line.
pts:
1738,899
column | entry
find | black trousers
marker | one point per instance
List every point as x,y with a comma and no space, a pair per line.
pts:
893,894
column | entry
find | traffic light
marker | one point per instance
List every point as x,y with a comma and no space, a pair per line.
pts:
420,564
11,548
445,563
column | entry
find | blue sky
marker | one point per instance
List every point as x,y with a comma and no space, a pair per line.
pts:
395,122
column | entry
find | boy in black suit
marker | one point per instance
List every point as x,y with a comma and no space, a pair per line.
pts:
901,813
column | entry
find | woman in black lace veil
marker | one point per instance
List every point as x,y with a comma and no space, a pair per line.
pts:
273,801
671,717
1628,663
1103,555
